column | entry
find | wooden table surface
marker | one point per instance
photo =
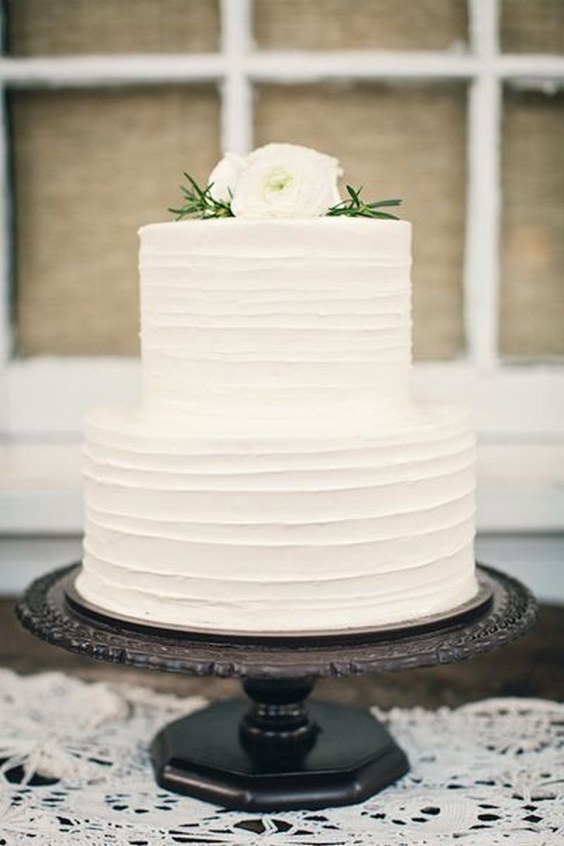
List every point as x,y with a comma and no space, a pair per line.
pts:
531,666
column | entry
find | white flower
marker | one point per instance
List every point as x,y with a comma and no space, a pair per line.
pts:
224,176
285,180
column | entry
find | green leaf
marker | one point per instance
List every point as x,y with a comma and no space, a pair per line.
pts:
198,202
356,207
383,203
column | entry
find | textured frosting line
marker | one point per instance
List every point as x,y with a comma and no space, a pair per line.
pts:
227,534
136,429
296,613
241,321
333,237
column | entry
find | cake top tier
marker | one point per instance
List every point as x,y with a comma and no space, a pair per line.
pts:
282,310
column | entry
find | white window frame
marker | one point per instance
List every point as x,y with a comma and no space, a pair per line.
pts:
519,408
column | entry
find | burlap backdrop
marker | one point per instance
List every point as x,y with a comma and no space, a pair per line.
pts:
360,24
532,291
59,27
532,26
90,166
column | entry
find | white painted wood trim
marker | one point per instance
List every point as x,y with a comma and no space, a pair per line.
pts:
77,71
272,66
540,67
301,66
508,403
5,252
481,262
5,271
51,395
237,95
483,26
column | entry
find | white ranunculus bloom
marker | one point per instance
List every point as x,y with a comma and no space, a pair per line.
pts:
224,177
286,180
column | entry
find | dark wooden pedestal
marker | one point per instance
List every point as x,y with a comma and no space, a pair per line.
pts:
277,754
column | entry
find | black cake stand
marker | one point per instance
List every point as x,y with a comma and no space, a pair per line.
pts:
278,753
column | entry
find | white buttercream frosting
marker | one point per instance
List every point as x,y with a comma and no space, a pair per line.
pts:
276,324
276,475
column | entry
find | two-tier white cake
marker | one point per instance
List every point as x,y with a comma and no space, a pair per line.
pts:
276,474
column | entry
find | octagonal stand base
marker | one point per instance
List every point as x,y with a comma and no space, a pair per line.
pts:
277,756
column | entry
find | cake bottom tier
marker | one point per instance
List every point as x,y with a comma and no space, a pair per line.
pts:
273,535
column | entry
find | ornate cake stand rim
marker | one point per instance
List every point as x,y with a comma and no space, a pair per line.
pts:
45,612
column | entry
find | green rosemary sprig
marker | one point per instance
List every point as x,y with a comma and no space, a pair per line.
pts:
198,202
355,207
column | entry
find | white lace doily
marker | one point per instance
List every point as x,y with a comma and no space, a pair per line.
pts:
76,771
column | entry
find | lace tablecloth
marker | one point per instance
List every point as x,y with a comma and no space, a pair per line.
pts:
75,771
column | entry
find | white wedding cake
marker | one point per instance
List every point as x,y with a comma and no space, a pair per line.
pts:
276,475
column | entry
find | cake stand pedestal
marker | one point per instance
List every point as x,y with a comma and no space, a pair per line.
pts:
278,753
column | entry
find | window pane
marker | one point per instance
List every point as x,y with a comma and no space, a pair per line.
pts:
532,291
394,141
59,27
357,24
89,168
532,27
